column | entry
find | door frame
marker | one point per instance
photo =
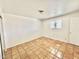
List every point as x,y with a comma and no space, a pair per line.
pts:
2,38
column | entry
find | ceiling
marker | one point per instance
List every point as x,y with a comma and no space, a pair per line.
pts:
30,8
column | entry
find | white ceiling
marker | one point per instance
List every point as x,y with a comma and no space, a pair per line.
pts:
29,8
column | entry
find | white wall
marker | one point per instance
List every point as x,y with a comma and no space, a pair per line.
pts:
58,34
19,29
74,29
61,34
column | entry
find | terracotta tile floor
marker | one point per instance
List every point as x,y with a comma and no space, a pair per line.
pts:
43,48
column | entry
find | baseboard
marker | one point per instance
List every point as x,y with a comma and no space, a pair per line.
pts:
29,39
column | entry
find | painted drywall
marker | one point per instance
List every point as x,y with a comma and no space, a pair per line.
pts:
58,7
58,34
63,33
74,29
19,29
71,5
29,8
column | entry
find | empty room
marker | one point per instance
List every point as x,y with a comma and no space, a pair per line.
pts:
39,29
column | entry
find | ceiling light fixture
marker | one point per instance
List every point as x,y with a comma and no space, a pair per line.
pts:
40,11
